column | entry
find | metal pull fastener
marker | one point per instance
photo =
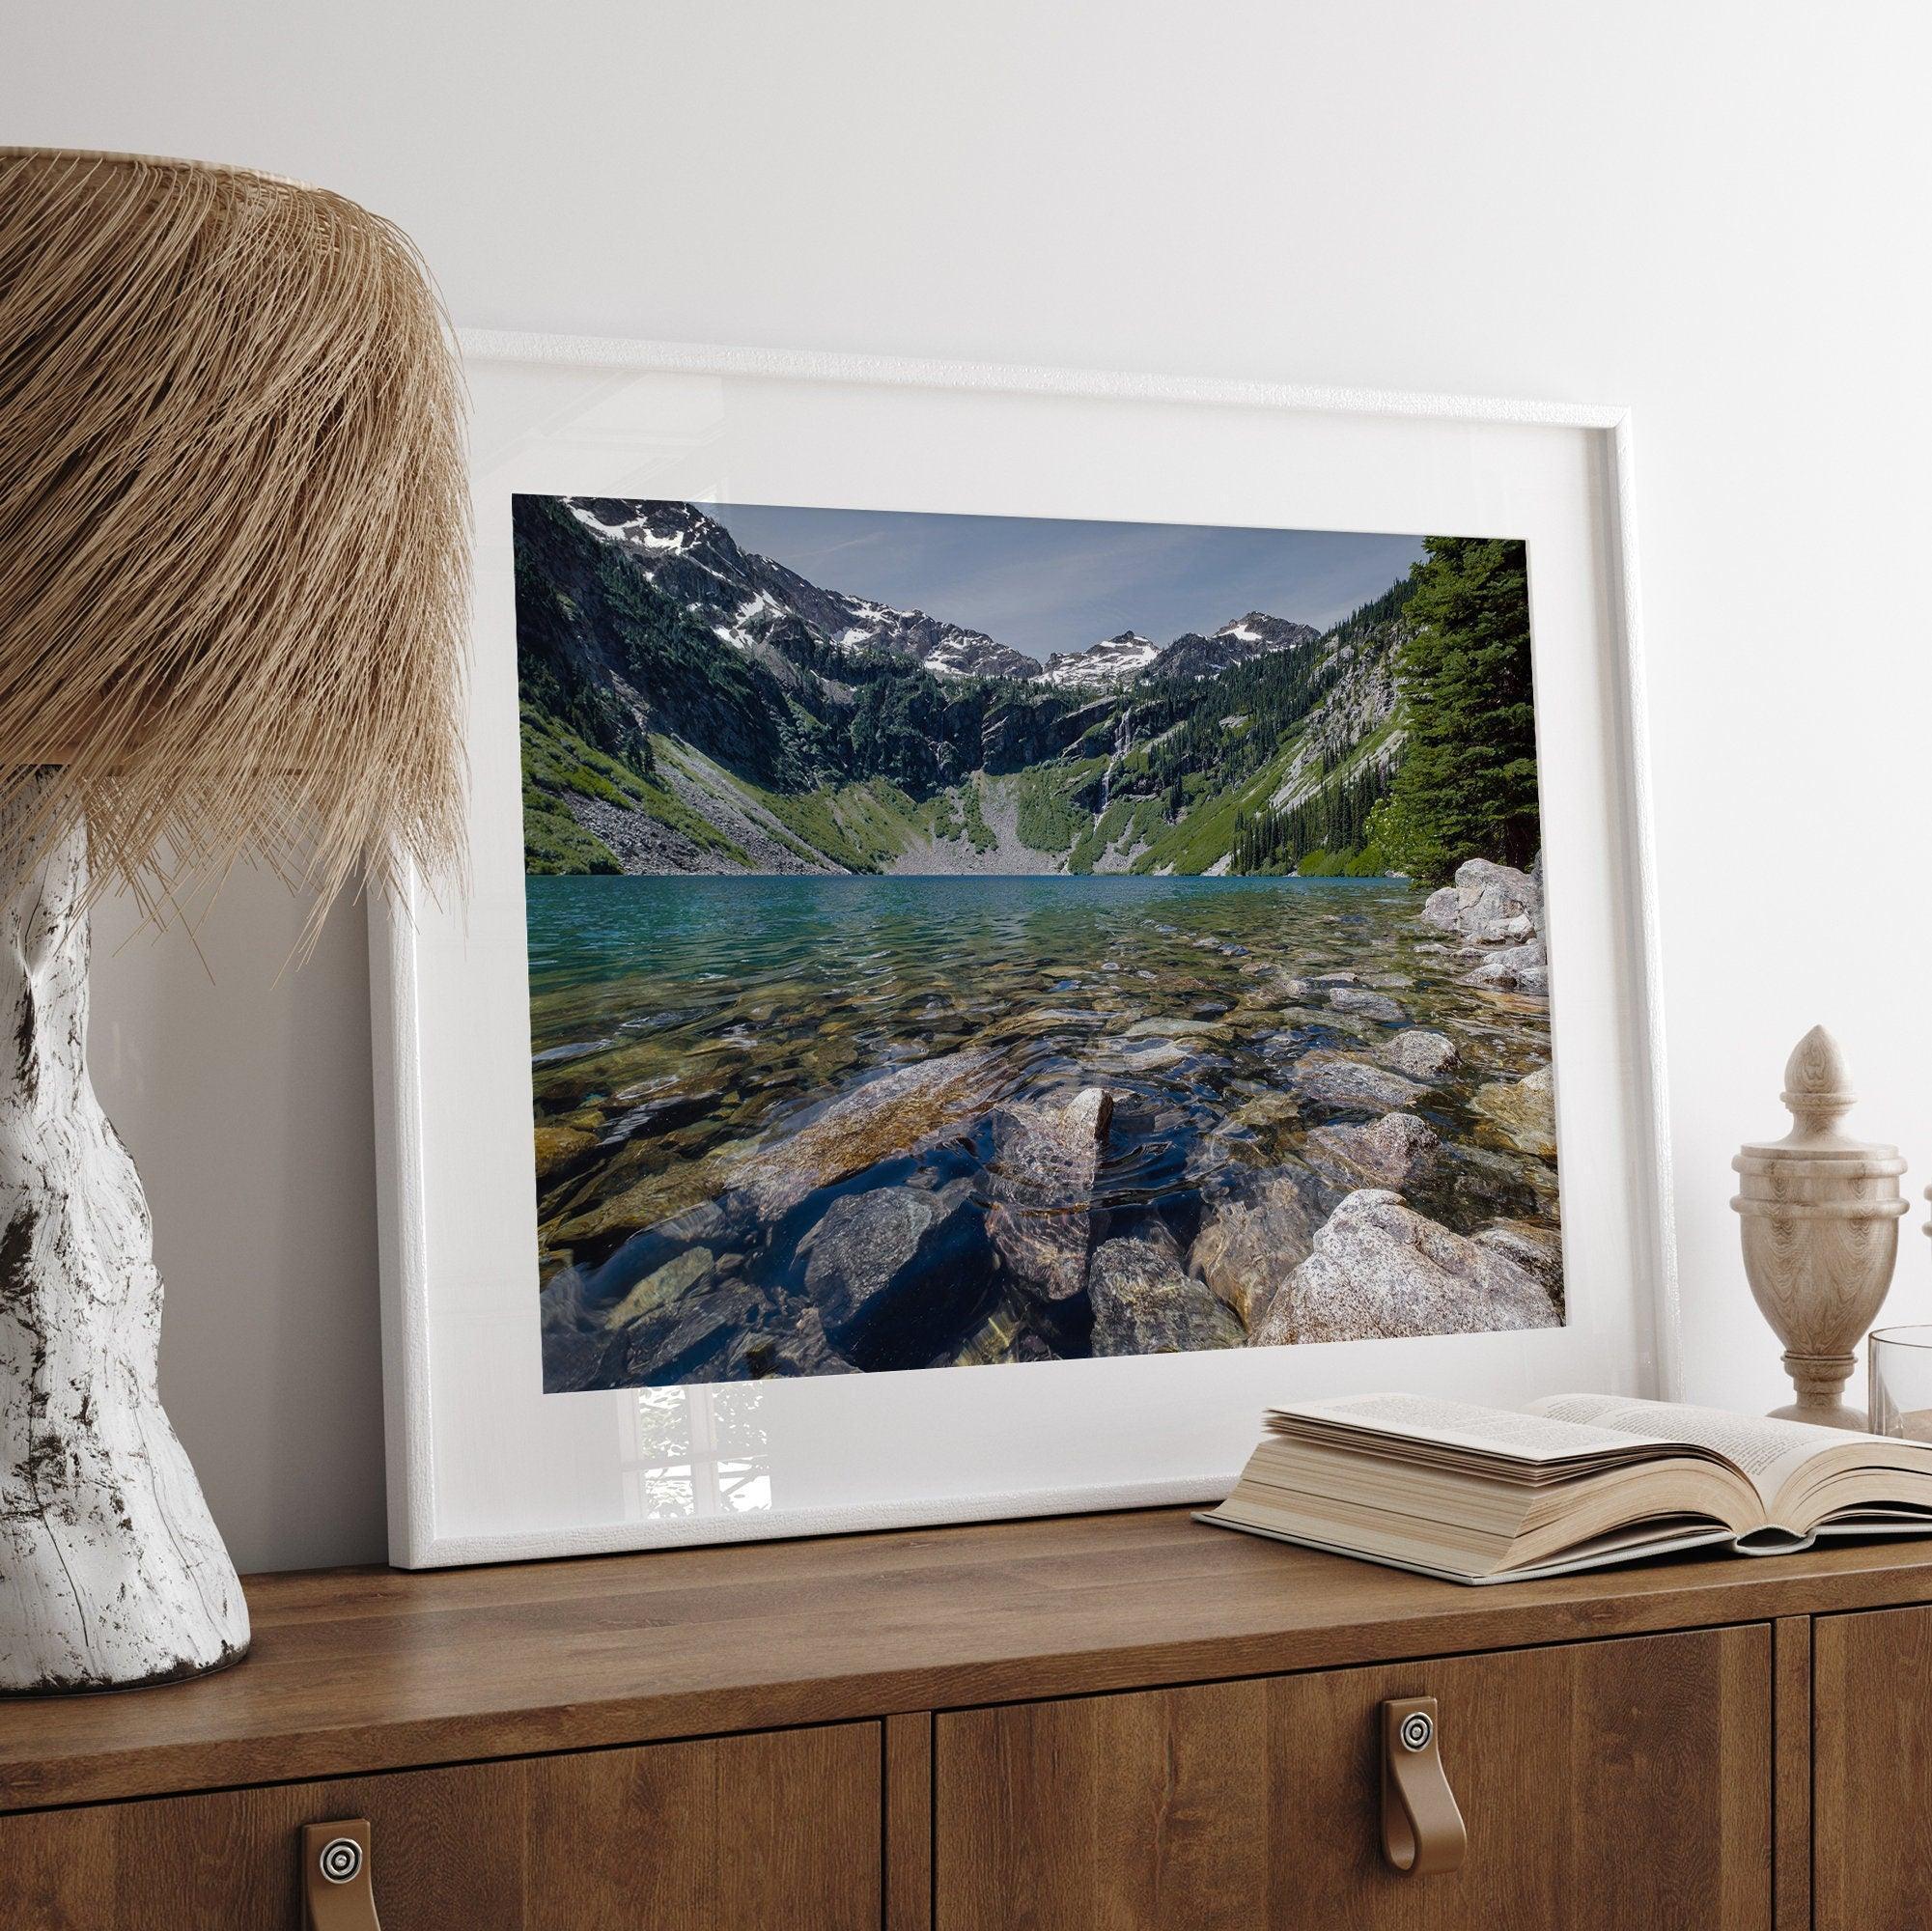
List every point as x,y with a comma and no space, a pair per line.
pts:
336,1892
1422,1829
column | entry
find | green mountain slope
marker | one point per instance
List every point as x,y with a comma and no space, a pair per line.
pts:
679,715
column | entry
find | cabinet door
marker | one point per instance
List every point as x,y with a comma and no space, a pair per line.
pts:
745,1834
1871,1778
1620,1785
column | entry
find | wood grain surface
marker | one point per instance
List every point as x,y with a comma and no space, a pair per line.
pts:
773,1832
1612,1786
357,1672
1791,1771
1873,1772
909,1823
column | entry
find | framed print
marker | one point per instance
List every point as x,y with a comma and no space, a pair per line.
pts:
1018,918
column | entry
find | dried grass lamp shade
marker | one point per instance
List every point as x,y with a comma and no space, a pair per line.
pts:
233,589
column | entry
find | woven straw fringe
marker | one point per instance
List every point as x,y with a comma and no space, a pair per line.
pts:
234,509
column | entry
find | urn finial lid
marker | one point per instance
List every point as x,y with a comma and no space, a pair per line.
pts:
1817,1086
1818,1091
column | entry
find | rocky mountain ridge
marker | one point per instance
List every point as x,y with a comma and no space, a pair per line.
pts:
689,706
756,604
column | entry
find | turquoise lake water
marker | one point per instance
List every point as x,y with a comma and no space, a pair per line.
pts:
684,1026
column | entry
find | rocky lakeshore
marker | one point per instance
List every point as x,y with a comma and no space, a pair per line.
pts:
794,1127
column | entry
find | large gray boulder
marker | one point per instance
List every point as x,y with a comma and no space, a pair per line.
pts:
1046,1157
1256,1228
1340,1080
1523,1112
888,1272
1397,1151
1487,905
1144,1304
1380,1270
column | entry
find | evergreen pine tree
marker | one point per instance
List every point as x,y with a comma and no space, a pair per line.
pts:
1468,784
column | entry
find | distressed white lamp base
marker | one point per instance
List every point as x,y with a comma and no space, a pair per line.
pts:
111,1570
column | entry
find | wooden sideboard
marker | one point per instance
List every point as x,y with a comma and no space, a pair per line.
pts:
1114,1721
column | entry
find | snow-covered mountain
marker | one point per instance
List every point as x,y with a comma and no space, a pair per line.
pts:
1253,635
747,601
1116,661
1100,666
761,606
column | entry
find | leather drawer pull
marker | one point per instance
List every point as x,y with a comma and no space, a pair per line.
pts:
336,1892
1422,1830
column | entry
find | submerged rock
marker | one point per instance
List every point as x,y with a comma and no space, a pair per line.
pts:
560,1147
1380,1269
1370,1005
1524,1111
691,1338
1340,1080
996,1339
1396,1152
890,1271
1418,1052
1283,985
1320,1020
669,1194
1144,1304
894,1114
1516,969
1046,1157
662,1286
804,1351
1264,1110
575,1360
1174,1029
1158,1056
1256,1228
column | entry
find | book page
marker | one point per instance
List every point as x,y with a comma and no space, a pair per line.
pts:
1494,1431
1766,1452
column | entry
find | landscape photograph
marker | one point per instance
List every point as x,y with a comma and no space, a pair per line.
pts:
972,941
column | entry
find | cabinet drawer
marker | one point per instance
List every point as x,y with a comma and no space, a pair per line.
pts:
1620,1785
746,1834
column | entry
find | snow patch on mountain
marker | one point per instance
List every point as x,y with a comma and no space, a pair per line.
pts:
1101,666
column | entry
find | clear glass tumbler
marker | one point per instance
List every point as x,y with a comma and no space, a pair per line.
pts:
1901,1382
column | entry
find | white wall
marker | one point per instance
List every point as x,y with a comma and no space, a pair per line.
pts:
1714,211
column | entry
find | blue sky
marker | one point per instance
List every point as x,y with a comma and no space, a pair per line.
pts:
1042,584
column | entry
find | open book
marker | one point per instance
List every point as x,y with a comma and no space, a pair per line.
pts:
1488,1495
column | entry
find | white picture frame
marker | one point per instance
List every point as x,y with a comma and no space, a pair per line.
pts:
483,1466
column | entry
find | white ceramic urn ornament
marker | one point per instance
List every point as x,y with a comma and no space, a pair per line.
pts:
233,585
1821,1213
